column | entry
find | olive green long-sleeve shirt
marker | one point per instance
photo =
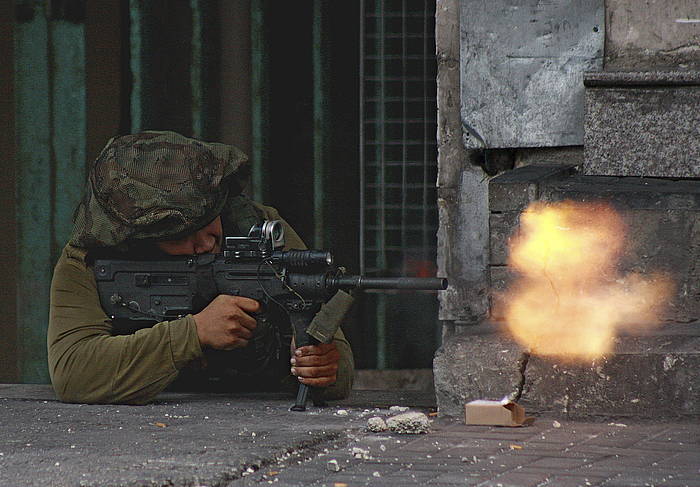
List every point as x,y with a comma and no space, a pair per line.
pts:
89,365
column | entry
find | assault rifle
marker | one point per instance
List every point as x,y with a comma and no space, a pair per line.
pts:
299,281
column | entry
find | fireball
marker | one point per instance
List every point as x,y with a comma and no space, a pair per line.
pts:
569,298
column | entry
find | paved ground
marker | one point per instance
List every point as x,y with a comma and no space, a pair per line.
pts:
246,440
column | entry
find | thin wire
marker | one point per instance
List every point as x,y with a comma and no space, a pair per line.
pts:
281,278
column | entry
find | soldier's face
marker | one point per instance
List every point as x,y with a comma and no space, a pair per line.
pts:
205,240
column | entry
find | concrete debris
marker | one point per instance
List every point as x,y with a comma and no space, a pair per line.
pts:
398,409
361,453
409,423
333,466
376,424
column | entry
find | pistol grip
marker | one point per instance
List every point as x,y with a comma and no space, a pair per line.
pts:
302,396
300,322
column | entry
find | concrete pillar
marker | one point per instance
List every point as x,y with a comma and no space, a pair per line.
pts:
463,212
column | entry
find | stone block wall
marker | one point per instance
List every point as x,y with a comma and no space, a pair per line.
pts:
663,219
643,124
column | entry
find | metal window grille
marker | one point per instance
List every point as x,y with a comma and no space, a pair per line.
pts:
398,146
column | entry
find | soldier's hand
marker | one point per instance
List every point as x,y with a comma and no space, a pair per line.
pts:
225,323
316,365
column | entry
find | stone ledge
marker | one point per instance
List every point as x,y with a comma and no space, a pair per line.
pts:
649,375
641,78
642,384
476,362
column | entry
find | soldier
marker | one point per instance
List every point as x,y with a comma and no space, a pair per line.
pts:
158,193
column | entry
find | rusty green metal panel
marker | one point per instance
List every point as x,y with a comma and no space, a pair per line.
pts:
196,81
174,57
204,69
68,131
260,99
135,59
50,131
321,118
33,191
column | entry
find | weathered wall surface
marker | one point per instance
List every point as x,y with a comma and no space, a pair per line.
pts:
643,34
522,66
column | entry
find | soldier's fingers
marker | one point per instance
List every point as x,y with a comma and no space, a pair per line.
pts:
313,360
241,331
318,381
318,349
322,371
246,304
244,320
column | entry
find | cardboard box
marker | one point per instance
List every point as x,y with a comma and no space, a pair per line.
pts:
494,413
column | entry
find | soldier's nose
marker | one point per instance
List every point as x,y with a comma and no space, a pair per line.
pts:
203,243
203,247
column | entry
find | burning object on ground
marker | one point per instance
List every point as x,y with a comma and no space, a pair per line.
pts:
569,299
495,413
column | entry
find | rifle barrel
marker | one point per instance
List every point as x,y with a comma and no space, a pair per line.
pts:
361,282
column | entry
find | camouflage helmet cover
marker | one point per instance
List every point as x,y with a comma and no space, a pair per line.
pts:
154,185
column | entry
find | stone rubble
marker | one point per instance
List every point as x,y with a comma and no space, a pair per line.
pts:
398,409
409,423
376,424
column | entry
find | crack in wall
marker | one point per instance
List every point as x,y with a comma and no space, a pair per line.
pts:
522,366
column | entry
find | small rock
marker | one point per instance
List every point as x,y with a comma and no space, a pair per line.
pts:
361,453
333,466
409,423
376,424
376,474
341,412
398,409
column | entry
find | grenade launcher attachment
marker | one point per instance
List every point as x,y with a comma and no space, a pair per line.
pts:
299,281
